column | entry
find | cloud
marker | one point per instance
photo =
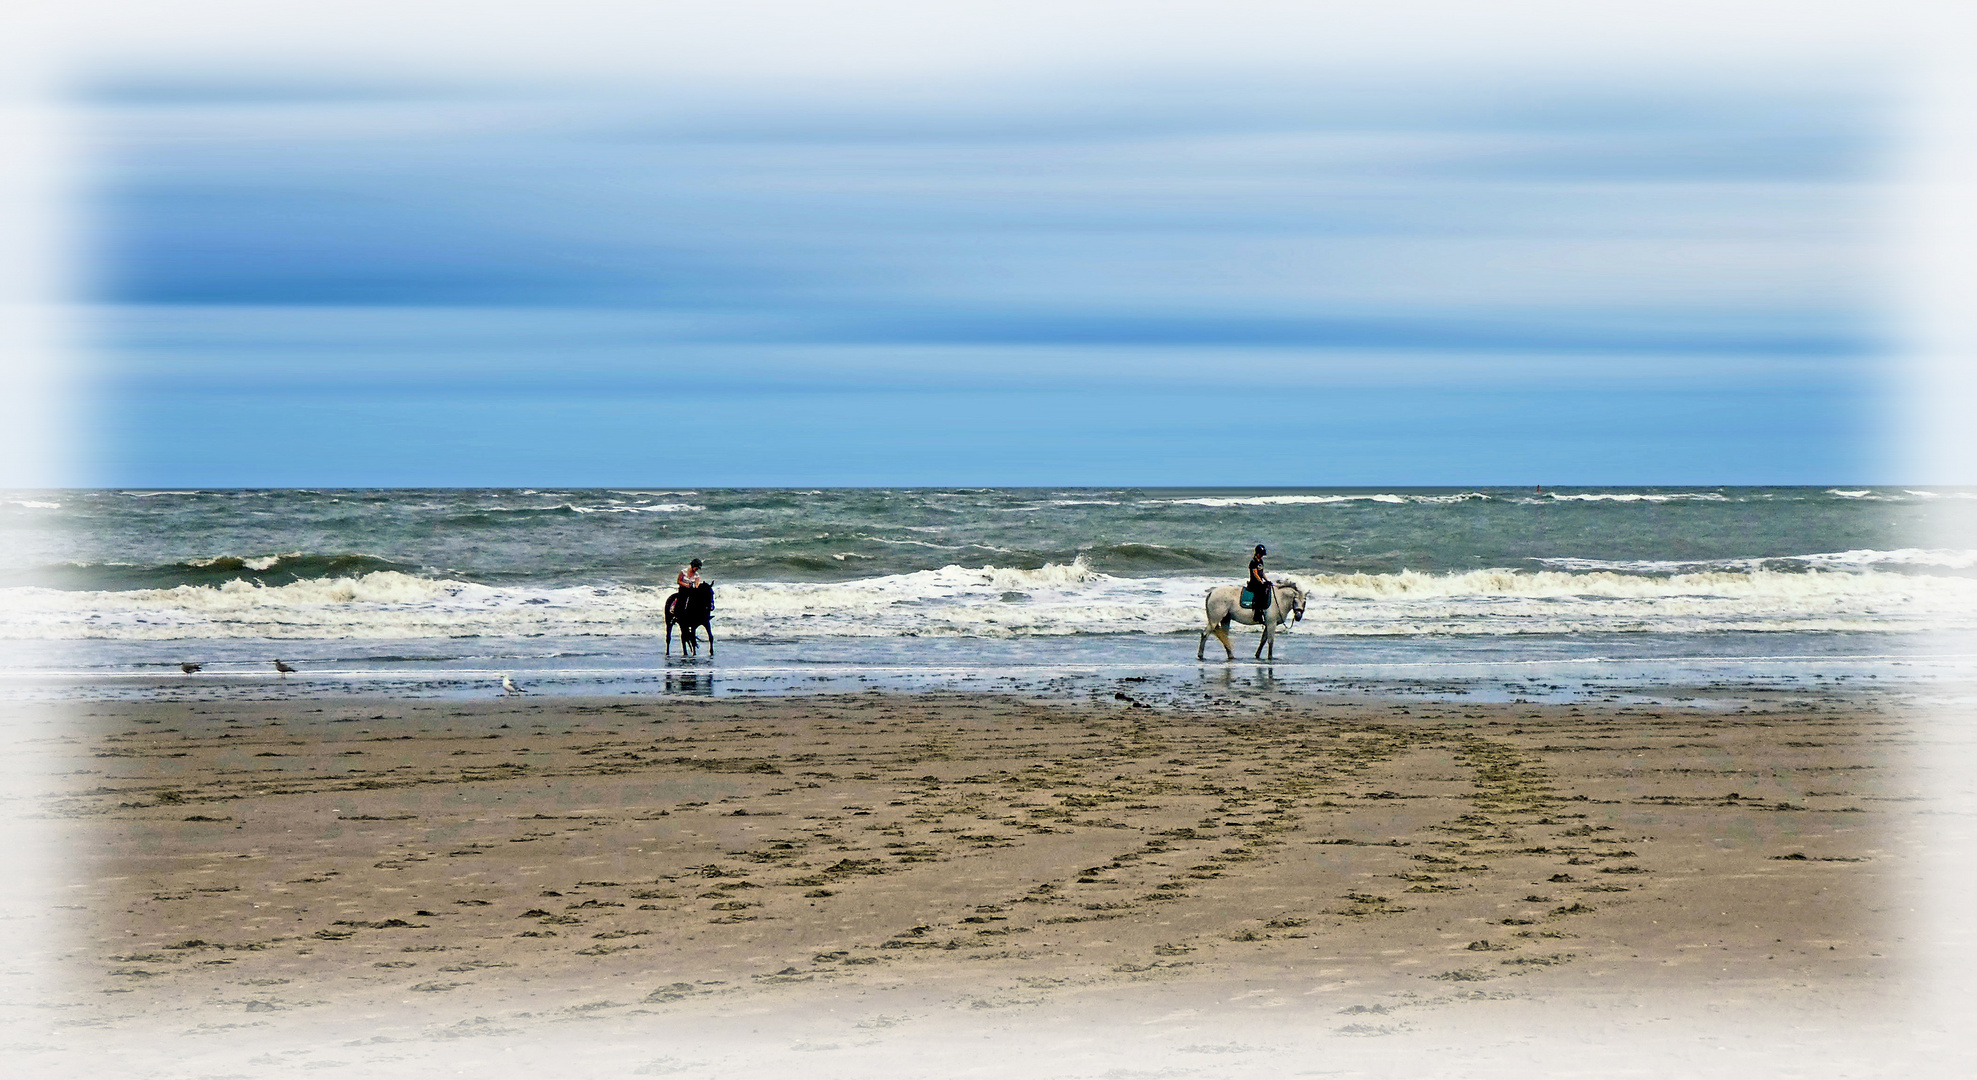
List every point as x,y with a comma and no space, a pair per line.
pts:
894,274
1238,208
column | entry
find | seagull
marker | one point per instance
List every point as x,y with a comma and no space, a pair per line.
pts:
190,668
508,685
283,669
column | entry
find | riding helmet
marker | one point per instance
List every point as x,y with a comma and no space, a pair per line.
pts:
695,563
1260,551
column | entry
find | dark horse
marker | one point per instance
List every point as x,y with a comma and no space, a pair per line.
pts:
691,609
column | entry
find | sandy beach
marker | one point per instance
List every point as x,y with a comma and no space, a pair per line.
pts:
882,883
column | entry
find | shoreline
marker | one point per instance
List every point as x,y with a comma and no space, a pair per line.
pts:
875,869
1664,668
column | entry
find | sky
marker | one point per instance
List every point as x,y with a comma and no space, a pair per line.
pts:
749,247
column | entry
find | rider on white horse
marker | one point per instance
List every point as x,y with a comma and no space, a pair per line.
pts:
1258,584
1270,604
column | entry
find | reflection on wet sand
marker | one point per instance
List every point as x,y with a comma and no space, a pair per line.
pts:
689,681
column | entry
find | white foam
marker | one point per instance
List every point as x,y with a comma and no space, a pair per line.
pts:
1648,566
32,504
918,543
1219,501
1941,494
649,508
1637,496
1952,559
1948,558
1861,494
1055,599
255,563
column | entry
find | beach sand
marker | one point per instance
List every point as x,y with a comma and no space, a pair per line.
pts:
963,885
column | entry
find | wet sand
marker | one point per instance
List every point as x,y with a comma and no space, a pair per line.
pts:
961,885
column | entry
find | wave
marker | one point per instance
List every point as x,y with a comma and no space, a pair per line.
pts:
1141,556
294,566
1649,566
610,508
1640,496
32,504
1609,584
522,515
641,509
989,601
653,508
1220,501
917,543
1031,508
1951,559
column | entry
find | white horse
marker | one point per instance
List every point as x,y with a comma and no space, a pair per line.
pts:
1225,606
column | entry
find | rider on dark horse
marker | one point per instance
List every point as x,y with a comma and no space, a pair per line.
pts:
691,608
695,597
1258,585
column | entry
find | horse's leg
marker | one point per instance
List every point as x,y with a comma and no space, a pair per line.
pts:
710,641
1202,646
1228,647
669,637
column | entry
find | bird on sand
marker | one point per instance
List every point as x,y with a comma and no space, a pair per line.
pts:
190,668
283,669
508,685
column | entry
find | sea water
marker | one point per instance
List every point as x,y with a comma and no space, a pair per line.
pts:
1494,591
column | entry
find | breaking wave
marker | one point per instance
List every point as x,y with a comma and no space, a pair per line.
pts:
294,566
1219,501
989,601
1934,558
1641,496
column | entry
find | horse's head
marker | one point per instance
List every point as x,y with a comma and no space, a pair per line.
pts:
1297,600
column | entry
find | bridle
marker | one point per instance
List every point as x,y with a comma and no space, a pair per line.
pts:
1297,606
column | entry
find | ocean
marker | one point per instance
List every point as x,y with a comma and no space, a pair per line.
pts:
1496,592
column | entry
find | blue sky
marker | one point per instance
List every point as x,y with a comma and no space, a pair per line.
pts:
1122,280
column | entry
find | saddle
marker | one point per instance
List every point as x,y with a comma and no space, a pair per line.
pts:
1251,601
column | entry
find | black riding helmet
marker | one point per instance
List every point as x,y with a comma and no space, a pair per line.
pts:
695,563
1260,551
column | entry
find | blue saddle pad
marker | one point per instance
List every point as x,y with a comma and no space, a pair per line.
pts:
1249,598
